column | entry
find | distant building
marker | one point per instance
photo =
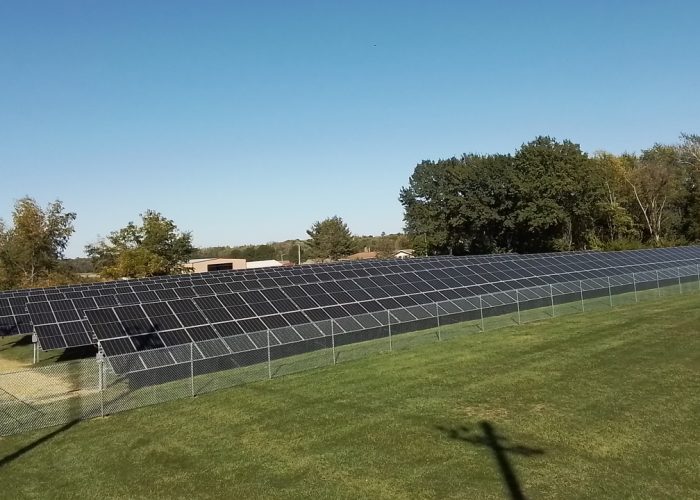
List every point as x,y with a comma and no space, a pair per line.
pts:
404,254
214,264
257,264
362,256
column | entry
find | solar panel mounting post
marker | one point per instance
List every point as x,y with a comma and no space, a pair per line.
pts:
658,285
35,341
580,285
437,316
680,288
551,297
481,312
697,269
517,304
634,283
610,293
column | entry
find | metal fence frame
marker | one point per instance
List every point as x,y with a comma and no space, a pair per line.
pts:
56,394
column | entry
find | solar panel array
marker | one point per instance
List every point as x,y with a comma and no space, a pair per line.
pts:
232,310
22,311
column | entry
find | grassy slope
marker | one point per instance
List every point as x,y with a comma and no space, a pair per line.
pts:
610,398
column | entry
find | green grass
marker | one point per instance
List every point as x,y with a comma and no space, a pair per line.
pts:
610,399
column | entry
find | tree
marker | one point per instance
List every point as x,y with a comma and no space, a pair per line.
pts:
558,195
654,181
616,223
154,248
32,248
331,238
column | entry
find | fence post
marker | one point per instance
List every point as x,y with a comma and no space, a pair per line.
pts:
551,297
697,268
388,322
517,304
680,287
437,315
634,283
580,285
481,312
269,362
192,367
333,339
610,293
658,286
101,381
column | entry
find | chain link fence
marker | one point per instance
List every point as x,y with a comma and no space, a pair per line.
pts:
65,392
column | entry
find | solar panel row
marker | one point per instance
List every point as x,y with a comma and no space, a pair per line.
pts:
292,296
136,328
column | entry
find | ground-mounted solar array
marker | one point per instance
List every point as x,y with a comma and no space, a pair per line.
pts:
229,312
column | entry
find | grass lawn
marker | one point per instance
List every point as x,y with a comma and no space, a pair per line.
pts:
597,405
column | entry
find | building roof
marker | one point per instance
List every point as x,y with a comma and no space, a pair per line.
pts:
263,263
363,256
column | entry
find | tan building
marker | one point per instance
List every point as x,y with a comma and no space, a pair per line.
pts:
216,264
213,264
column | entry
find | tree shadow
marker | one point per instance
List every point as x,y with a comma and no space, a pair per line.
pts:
15,455
498,444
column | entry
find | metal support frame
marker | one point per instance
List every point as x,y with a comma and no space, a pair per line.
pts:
517,304
658,285
610,293
634,283
697,269
580,285
680,287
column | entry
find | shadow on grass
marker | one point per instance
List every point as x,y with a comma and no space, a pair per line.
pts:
21,341
14,456
490,439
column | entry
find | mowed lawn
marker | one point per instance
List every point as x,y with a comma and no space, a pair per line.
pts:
595,405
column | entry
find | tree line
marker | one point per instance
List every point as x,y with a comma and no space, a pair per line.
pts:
550,195
32,247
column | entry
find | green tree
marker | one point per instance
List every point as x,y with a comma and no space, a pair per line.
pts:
557,198
331,238
31,249
156,247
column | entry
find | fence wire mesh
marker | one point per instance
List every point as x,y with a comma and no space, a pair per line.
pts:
61,393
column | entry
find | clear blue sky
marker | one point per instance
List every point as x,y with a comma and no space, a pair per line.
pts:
247,121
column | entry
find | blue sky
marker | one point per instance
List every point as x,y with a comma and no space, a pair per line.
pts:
245,122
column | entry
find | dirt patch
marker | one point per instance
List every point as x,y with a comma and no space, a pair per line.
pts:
11,365
35,385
